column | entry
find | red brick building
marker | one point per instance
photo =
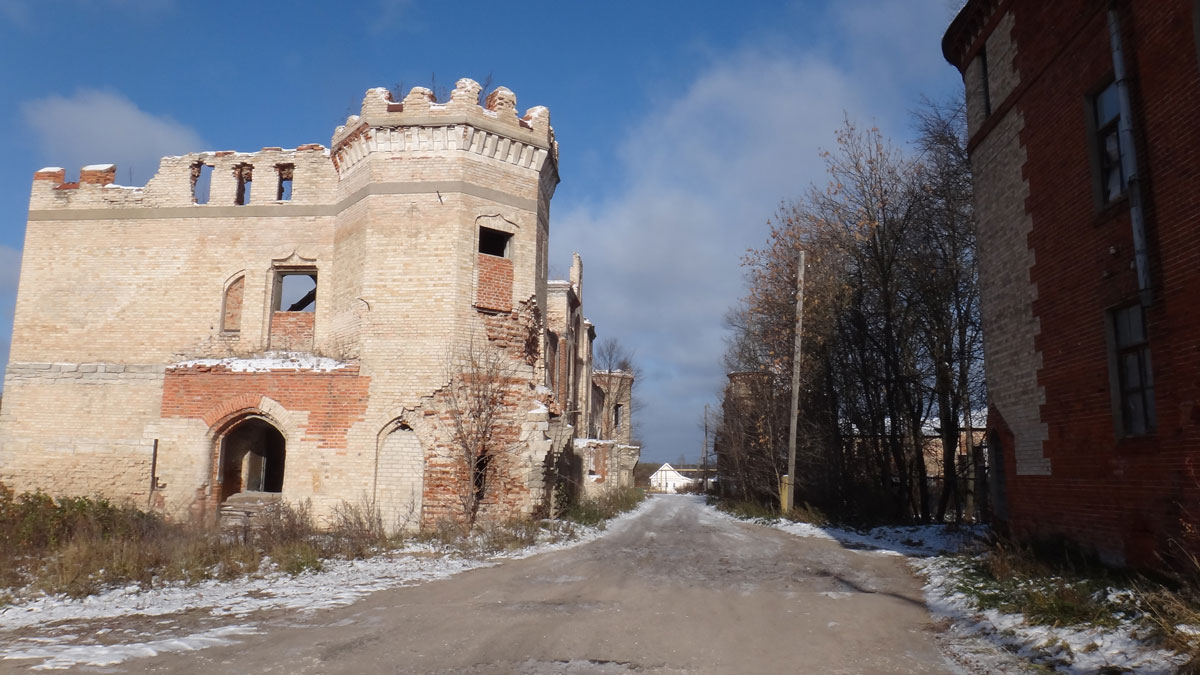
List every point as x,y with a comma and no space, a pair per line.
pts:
1084,135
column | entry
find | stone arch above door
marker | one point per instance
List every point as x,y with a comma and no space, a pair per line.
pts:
399,477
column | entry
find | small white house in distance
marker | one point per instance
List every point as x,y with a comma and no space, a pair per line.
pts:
667,479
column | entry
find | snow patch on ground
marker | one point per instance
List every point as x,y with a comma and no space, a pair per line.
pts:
270,361
60,657
914,540
1064,649
340,583
988,639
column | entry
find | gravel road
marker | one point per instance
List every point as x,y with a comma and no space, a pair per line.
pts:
679,588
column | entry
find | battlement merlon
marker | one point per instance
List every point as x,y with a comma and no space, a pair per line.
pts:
462,123
174,184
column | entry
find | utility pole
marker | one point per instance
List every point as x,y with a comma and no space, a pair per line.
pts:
704,453
789,496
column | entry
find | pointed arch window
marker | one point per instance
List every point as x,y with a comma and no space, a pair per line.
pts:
231,306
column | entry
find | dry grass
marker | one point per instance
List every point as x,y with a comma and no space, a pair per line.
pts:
77,545
609,504
746,510
1173,611
488,538
1069,590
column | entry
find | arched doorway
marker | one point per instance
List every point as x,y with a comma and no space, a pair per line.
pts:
252,459
400,479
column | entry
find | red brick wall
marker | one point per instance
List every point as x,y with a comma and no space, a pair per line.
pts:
334,400
98,177
507,494
1125,498
494,290
292,331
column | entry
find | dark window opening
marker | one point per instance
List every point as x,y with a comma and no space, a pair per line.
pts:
616,417
201,182
482,462
552,361
252,459
296,291
493,242
1106,118
244,173
283,191
983,84
1133,378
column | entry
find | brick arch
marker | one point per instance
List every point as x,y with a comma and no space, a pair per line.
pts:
402,448
227,416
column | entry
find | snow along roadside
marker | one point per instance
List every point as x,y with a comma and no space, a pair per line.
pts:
935,553
1064,649
340,583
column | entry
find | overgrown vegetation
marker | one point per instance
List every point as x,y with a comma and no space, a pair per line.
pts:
1059,587
891,367
609,504
746,510
800,513
79,545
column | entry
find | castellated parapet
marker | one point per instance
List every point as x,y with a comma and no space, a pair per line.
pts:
292,322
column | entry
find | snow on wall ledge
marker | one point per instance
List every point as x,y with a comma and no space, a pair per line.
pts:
268,362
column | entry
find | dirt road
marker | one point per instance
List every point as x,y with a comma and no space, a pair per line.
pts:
677,589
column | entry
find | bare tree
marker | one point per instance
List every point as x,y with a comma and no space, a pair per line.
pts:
891,331
483,434
616,370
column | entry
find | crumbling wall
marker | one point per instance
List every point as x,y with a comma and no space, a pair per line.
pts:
605,465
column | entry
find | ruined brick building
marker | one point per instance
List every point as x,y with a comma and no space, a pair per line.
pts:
308,327
1084,138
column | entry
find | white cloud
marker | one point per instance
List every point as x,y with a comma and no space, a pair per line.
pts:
93,127
702,175
392,15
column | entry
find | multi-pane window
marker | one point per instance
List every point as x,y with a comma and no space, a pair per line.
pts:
1106,112
1134,380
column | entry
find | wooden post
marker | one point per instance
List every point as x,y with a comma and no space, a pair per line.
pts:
789,496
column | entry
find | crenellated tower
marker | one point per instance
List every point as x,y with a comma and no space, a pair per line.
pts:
439,201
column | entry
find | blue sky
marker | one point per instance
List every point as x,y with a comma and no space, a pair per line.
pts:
681,125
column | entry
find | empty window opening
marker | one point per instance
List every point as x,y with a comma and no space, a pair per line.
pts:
493,242
552,361
296,291
482,462
283,192
201,182
244,173
1106,111
617,416
252,459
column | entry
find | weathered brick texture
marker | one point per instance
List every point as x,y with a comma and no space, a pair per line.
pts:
145,314
494,288
292,331
1054,261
